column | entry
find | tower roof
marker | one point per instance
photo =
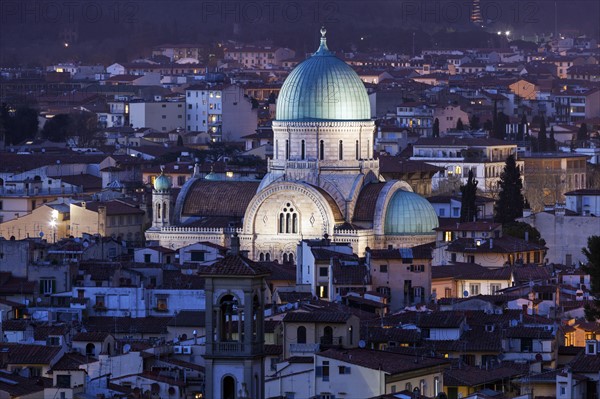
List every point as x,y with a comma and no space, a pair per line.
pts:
323,88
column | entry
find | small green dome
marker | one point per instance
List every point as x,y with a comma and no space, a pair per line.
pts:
323,88
409,214
162,183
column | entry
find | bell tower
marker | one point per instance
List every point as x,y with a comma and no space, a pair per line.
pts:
162,203
235,306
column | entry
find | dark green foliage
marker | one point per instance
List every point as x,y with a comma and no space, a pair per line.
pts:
468,207
436,128
20,125
474,123
460,125
552,140
500,125
57,129
542,139
179,141
592,253
521,131
582,132
509,205
488,125
518,230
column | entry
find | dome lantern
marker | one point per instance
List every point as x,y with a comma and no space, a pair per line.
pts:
162,182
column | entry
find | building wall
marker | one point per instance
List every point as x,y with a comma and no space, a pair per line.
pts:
162,116
361,383
448,117
554,229
239,118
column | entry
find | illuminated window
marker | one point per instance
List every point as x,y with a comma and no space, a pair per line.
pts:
457,170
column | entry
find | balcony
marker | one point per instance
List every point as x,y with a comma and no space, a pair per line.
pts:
235,348
304,348
330,342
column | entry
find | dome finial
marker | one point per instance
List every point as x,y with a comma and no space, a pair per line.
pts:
323,46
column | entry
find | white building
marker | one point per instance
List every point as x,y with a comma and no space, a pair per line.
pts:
159,115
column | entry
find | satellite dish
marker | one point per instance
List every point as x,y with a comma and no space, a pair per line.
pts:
466,293
362,344
195,332
188,272
126,348
38,300
86,244
289,306
41,233
77,239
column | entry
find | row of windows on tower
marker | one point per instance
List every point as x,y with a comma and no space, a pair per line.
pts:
266,257
321,149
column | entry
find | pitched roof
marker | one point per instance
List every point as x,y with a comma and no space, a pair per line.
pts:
123,325
30,354
91,336
72,361
234,265
389,362
206,198
320,316
350,274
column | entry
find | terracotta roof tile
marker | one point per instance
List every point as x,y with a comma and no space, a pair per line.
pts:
72,361
367,200
91,336
234,265
219,198
30,354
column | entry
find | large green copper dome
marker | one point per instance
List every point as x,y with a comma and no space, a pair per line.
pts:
323,88
408,213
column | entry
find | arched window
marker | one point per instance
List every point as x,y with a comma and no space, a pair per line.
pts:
321,150
288,220
327,338
291,258
267,257
357,151
285,258
158,211
90,349
303,150
164,211
301,334
261,257
341,150
276,149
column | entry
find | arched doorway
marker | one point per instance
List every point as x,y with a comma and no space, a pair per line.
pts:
327,338
228,391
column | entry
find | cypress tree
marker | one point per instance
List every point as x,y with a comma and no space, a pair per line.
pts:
582,132
460,125
468,207
436,128
551,140
509,205
542,138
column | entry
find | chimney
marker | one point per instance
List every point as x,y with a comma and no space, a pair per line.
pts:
235,244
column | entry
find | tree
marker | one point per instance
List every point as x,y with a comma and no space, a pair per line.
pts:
474,123
592,253
460,125
542,138
500,125
509,205
519,230
179,141
468,207
436,128
57,128
488,126
521,130
20,125
582,132
551,140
